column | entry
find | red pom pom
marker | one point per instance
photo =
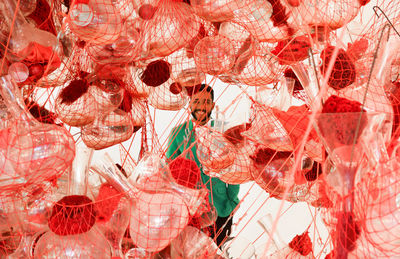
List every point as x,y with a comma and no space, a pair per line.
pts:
106,202
336,104
185,172
156,73
74,90
343,73
234,134
344,126
292,50
302,244
72,215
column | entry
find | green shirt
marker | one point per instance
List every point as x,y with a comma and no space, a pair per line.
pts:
223,196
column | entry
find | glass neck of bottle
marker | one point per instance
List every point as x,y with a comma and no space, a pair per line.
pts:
79,175
11,94
11,13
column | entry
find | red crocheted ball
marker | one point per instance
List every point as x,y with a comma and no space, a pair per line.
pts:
75,89
73,214
336,104
344,125
302,244
156,73
185,172
292,50
344,71
106,202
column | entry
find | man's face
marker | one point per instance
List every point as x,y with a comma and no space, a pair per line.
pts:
201,106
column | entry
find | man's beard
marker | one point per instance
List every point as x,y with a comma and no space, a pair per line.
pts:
204,118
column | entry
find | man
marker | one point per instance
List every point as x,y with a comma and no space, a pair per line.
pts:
223,196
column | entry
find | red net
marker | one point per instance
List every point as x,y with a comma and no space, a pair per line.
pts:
217,111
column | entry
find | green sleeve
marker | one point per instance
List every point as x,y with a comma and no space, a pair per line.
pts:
173,148
233,191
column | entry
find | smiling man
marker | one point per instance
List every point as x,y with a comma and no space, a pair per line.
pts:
202,104
223,196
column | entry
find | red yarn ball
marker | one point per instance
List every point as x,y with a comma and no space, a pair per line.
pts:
73,214
344,71
185,172
156,73
106,202
302,244
292,50
336,104
74,90
343,125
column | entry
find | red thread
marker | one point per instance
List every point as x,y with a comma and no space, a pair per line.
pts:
72,215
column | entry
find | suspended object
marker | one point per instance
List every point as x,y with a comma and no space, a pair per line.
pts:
214,55
32,152
72,223
167,27
192,243
213,150
75,106
94,21
160,208
108,130
26,40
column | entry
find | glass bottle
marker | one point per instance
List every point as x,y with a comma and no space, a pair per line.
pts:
23,34
34,152
86,241
95,21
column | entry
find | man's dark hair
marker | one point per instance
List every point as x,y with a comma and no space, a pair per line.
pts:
203,87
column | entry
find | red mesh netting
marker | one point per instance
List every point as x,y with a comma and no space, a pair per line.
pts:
169,128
